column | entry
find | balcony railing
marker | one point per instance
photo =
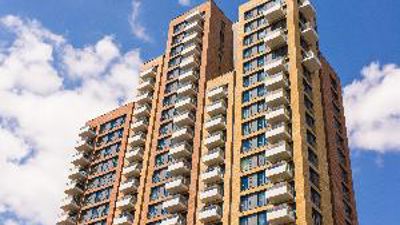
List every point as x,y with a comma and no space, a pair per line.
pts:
126,203
212,175
182,149
215,123
176,204
70,204
311,61
129,186
214,157
87,132
215,140
278,152
183,119
149,73
212,194
275,66
275,12
176,219
275,38
279,193
67,219
216,93
307,8
210,214
80,159
216,108
282,214
279,172
124,219
179,167
178,185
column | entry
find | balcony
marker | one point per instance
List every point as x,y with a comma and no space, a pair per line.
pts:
279,193
274,12
279,152
307,8
137,139
215,140
279,172
275,38
187,89
216,108
277,114
134,154
283,214
142,111
178,185
66,219
212,175
276,98
126,203
179,167
149,73
194,16
74,188
186,104
80,159
278,132
76,173
212,194
69,204
129,186
183,134
195,26
124,219
179,150
214,157
140,125
194,37
216,93
146,97
87,132
188,76
311,61
190,61
275,81
176,204
132,170
184,119
175,220
275,66
191,49
210,214
147,85
84,146
215,123
309,33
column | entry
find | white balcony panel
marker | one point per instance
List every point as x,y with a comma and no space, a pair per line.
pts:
212,176
215,140
147,85
189,75
140,125
210,214
279,172
181,150
190,61
311,61
307,8
129,186
84,146
69,204
132,170
213,194
187,89
175,220
73,188
278,114
275,12
184,119
278,152
178,185
193,16
186,104
144,98
87,132
194,26
66,219
126,219
76,173
80,159
134,154
278,132
275,66
275,38
149,73
309,33
142,111
279,193
214,157
194,37
182,134
127,203
276,98
216,123
276,81
179,168
216,93
216,108
192,49
176,204
137,139
281,215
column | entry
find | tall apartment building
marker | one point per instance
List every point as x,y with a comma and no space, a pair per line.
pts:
236,124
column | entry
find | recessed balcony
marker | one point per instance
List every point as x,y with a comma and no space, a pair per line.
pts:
275,66
195,26
184,119
142,111
183,134
84,146
66,219
129,186
144,98
278,132
133,169
187,89
140,125
276,98
178,185
193,16
134,154
87,132
212,194
179,167
137,139
275,81
70,204
210,214
311,61
188,76
275,12
279,172
146,85
126,203
309,33
215,140
214,157
282,214
177,219
216,93
176,204
216,108
215,123
74,188
182,149
277,114
77,173
149,73
194,37
80,159
275,38
186,104
278,152
191,49
212,175
124,219
307,8
190,61
279,193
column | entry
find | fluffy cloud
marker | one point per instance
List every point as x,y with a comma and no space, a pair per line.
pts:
48,89
373,109
184,2
137,28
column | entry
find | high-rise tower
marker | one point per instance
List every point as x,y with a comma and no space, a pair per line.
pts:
236,124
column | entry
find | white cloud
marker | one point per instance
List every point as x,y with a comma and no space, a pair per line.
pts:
373,109
184,2
48,89
137,28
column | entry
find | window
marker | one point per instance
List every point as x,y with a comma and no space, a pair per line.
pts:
253,180
345,176
156,210
163,144
253,78
169,100
346,192
342,157
347,210
254,219
168,114
253,201
308,103
158,192
310,120
252,162
171,87
254,109
162,159
315,198
254,50
175,61
314,177
254,142
104,166
256,92
307,88
254,126
166,128
311,139
316,217
160,175
312,157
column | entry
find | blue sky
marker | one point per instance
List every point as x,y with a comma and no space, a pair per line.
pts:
353,34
